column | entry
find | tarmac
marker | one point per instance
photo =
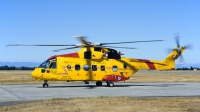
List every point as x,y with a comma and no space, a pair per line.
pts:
13,94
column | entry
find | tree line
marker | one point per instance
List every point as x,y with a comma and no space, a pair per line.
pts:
185,68
16,68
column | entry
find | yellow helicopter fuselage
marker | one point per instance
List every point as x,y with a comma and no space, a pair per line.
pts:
100,64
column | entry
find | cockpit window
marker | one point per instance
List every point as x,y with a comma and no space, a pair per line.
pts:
47,62
52,65
44,64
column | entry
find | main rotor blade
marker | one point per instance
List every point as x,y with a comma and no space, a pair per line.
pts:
119,47
65,49
40,45
130,42
81,39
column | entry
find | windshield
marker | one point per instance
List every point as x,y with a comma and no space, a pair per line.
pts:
46,63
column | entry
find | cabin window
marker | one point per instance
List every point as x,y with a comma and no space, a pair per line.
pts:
114,68
87,55
77,67
69,67
125,65
102,68
94,67
86,67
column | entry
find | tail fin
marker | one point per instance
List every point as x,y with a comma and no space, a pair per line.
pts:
175,54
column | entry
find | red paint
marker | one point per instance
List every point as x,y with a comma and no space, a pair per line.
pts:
73,55
150,64
115,78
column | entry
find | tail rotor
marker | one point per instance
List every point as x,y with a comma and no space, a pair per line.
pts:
179,49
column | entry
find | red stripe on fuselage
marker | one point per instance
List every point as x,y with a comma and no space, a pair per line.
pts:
73,55
150,64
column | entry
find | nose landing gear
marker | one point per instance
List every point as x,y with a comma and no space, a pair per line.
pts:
45,84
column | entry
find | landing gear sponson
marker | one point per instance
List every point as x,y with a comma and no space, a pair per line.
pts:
114,78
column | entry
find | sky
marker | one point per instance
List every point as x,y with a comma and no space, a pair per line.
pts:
57,21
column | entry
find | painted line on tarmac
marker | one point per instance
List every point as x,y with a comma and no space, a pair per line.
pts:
12,93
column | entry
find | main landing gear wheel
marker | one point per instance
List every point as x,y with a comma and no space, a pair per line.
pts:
45,84
110,84
98,83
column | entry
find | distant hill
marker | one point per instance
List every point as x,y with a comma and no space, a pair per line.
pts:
20,64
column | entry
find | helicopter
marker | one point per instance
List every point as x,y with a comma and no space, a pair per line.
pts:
99,62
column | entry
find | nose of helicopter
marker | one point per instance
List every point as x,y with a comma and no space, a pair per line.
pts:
35,74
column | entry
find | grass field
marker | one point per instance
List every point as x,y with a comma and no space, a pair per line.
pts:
109,104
